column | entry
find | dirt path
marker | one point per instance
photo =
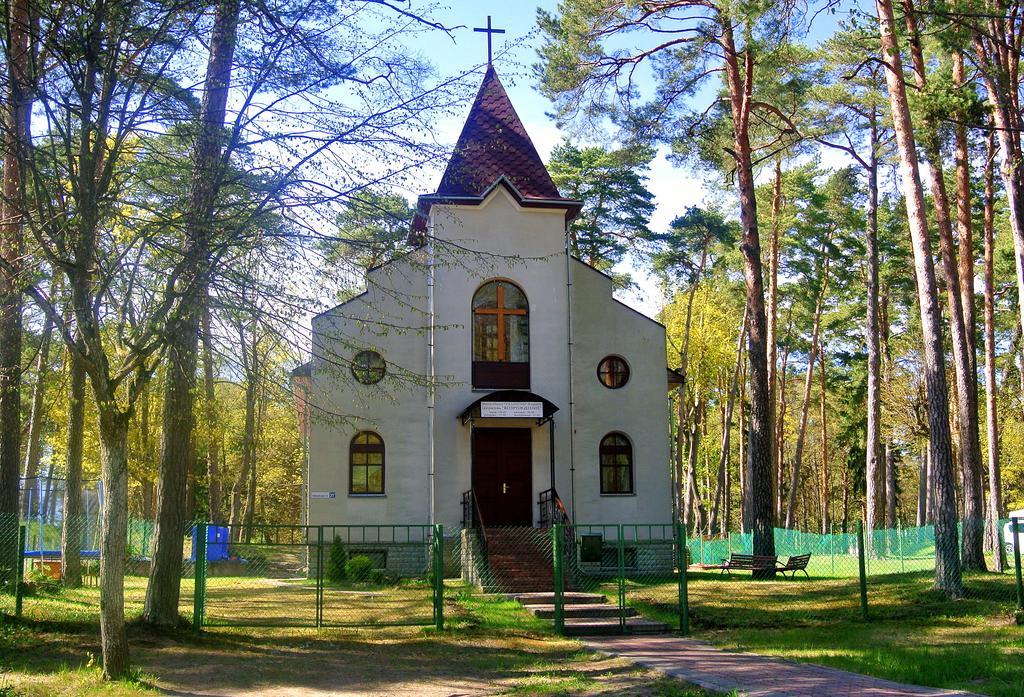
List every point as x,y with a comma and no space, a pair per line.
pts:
425,667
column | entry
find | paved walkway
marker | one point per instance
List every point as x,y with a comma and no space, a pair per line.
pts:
747,673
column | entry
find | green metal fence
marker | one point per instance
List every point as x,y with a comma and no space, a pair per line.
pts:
618,573
579,578
322,576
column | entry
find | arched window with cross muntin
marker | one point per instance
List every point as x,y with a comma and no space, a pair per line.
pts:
501,336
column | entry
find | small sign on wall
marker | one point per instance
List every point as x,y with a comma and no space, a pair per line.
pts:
323,495
512,410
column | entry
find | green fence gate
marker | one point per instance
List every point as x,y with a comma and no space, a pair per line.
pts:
320,576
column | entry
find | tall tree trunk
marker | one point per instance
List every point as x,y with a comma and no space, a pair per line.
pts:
997,51
773,302
744,463
779,450
723,457
245,476
235,514
973,552
114,468
931,490
794,485
35,423
248,434
890,486
922,489
176,451
826,486
948,577
873,447
846,499
741,90
973,556
16,115
74,526
682,513
1017,350
163,591
684,367
146,436
210,414
964,225
888,462
725,521
250,503
995,501
693,503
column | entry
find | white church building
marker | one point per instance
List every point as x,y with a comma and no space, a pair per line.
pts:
487,373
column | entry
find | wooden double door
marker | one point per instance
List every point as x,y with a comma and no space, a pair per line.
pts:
503,475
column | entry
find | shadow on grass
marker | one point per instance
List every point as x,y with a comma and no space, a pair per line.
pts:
487,639
724,602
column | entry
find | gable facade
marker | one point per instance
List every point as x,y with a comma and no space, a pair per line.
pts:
495,351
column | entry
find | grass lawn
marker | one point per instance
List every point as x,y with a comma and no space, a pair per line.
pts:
913,634
489,647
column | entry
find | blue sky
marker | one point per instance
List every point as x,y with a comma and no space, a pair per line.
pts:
515,52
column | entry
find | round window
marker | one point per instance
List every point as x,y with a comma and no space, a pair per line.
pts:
368,367
613,372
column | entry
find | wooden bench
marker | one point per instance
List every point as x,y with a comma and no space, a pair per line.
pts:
794,564
746,562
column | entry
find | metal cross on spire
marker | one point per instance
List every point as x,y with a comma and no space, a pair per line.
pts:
489,31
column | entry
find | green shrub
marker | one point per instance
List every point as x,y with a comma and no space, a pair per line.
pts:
336,558
38,583
378,577
359,568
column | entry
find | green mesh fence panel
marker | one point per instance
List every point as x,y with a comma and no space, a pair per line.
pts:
9,558
61,563
378,575
328,576
260,578
583,578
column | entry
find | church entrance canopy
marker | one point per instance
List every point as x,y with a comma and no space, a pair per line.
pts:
510,404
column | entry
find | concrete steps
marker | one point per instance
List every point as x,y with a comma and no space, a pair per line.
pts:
518,560
582,611
589,614
631,625
547,598
519,567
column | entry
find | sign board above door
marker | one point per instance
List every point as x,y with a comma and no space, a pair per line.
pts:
512,410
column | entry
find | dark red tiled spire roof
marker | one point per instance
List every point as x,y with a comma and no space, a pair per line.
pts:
494,143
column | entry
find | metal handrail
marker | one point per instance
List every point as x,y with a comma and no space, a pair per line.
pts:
471,514
552,510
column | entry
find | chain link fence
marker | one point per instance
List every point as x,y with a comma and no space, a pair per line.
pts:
50,570
320,576
575,578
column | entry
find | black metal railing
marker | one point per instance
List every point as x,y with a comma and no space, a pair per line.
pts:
469,517
473,520
552,510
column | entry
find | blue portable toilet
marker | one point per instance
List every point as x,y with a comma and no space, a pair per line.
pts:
217,540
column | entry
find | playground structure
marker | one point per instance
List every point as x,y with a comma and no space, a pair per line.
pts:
43,509
43,512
